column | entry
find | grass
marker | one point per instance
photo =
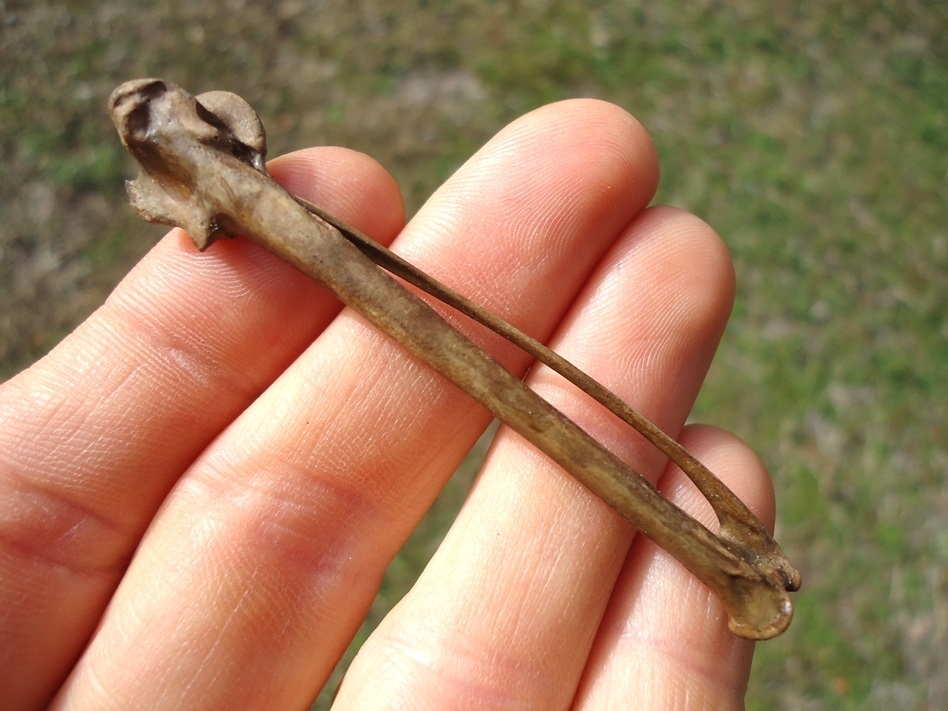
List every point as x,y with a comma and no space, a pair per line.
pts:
812,136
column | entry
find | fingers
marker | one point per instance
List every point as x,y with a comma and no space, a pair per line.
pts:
271,548
94,436
507,611
664,637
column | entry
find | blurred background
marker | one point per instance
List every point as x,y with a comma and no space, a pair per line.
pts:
812,135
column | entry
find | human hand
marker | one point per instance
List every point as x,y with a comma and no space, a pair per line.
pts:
209,477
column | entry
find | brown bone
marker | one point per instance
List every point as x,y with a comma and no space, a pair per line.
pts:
202,169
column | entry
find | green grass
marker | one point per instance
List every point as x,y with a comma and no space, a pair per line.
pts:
813,136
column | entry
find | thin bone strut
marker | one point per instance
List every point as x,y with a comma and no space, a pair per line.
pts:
730,510
202,169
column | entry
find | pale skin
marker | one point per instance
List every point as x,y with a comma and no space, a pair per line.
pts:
278,453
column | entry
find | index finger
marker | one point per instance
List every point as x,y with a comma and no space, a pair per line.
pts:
94,436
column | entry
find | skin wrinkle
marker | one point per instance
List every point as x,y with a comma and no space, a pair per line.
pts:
208,281
322,390
220,633
495,688
683,668
259,451
98,689
556,554
142,375
76,544
194,630
240,275
376,383
288,513
190,355
285,521
82,529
